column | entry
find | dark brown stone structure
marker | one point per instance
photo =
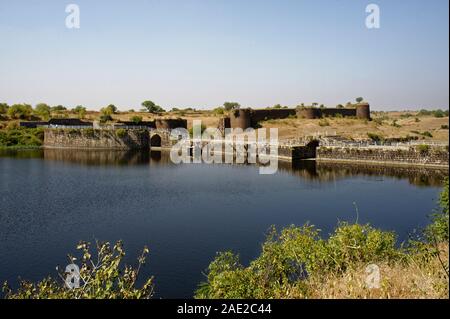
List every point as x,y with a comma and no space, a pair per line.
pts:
245,118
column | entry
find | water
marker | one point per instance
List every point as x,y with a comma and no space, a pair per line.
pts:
50,200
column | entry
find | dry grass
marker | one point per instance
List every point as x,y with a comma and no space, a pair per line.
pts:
412,279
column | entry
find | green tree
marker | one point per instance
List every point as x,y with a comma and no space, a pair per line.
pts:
58,108
80,110
339,106
20,111
43,110
359,99
228,106
152,107
4,108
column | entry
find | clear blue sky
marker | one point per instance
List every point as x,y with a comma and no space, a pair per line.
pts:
201,53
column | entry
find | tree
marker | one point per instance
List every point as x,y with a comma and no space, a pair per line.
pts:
58,108
152,107
228,106
4,108
20,111
219,110
277,106
339,106
359,99
109,110
43,110
80,110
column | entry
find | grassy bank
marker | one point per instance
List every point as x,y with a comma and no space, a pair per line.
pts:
294,263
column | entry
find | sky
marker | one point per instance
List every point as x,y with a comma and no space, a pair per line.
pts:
201,53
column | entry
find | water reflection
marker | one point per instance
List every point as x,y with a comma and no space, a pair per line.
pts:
309,170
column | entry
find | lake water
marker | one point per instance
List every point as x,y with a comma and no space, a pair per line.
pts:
52,199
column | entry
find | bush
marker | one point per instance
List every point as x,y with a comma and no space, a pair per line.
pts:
290,257
444,127
423,149
121,133
105,118
324,122
375,137
21,137
101,278
438,230
136,119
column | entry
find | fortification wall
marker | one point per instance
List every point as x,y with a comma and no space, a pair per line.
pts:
334,112
272,114
96,139
418,155
168,124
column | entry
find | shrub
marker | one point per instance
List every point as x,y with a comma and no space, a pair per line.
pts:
423,149
89,132
289,258
121,133
136,119
444,127
438,230
105,118
438,113
427,134
375,137
219,111
101,278
324,122
21,137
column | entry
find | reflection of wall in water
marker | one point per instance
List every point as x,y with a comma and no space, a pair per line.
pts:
97,157
327,171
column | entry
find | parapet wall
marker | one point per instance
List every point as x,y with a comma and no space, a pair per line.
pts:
96,139
272,114
416,155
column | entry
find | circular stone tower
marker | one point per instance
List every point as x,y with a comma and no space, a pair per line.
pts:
363,111
308,113
240,118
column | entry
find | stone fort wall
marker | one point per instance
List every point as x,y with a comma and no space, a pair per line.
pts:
245,118
96,139
416,155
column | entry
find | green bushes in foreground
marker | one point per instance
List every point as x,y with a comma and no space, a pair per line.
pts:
101,277
21,137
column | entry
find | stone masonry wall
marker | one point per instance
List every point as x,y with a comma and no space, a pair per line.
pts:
421,154
96,139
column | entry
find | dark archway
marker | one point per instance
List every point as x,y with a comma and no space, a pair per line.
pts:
155,141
